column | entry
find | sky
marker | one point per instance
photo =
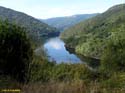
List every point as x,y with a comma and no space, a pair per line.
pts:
56,8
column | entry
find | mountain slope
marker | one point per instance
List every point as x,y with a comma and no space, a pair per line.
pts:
63,23
34,27
90,37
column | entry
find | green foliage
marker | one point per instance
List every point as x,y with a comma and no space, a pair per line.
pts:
102,37
44,71
15,51
113,58
35,28
40,70
89,37
116,80
90,48
70,72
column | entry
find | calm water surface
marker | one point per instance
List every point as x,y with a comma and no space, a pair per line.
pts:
56,51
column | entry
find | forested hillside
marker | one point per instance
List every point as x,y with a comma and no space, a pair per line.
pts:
63,23
101,37
35,28
91,37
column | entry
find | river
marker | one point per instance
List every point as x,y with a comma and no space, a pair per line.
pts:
56,51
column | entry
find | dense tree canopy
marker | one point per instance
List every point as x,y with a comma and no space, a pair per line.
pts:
15,51
35,28
89,37
113,58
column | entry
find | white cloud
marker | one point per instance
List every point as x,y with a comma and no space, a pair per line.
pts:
52,8
48,12
45,11
55,45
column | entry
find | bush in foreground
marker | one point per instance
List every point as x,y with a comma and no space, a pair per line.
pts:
15,51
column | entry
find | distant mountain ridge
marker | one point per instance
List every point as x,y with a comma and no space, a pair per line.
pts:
34,27
63,23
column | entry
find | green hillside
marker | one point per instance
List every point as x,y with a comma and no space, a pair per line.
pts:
101,37
35,28
90,37
63,23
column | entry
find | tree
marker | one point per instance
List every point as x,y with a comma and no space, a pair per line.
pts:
113,58
15,51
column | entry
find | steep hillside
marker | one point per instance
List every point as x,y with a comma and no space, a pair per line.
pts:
34,27
90,37
63,23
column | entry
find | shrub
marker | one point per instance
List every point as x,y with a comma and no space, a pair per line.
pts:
15,51
113,58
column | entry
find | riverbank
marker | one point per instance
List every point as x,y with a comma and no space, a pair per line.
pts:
91,61
72,50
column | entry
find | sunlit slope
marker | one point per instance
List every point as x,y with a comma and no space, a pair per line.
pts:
90,37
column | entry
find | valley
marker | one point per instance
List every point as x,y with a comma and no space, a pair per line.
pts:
63,23
72,54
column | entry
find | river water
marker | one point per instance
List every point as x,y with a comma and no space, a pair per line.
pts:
56,51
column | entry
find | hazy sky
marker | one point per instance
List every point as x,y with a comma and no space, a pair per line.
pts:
55,8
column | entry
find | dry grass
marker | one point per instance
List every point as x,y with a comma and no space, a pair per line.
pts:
62,87
68,87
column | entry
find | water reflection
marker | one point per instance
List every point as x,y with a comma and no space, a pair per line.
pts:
56,51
